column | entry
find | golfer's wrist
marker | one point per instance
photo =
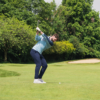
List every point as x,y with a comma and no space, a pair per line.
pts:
41,32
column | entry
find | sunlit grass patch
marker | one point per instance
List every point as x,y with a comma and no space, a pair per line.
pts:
5,73
64,82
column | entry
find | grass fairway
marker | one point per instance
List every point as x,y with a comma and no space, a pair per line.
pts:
77,82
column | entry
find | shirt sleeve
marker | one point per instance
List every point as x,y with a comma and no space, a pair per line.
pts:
49,42
38,38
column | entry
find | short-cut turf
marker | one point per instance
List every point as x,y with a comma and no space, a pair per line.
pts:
77,82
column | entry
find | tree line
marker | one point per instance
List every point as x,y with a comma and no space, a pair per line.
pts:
75,21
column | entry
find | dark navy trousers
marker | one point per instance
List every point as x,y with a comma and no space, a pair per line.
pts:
39,61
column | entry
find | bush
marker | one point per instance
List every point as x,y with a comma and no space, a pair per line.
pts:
92,53
61,47
60,51
80,49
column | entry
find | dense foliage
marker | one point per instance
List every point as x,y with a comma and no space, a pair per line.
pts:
74,21
80,25
60,51
16,37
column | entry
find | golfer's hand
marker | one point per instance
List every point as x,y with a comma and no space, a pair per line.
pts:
38,29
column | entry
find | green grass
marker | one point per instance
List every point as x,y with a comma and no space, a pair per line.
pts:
78,82
5,73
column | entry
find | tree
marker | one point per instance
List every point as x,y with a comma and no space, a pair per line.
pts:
46,17
80,21
31,11
79,14
18,9
14,33
59,22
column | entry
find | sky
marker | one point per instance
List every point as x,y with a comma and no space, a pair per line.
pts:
96,4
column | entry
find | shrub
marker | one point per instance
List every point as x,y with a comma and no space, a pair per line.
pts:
80,49
60,48
60,51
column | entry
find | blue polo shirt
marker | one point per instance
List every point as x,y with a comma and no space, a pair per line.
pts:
43,43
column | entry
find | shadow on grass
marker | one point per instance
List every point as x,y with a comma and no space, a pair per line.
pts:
5,73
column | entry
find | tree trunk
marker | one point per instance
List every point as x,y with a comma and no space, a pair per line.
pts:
5,56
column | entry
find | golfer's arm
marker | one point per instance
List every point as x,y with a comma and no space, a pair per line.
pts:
46,38
41,32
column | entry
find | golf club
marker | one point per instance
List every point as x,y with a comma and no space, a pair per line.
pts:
38,23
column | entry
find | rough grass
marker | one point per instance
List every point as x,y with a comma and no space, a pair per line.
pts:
77,82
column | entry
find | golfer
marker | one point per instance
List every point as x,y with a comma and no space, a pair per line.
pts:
44,42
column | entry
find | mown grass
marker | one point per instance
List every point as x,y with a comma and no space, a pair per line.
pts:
5,73
77,82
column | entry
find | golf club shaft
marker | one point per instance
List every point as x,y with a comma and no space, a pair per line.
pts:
37,23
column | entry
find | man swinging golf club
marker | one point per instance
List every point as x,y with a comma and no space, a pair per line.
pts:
44,42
